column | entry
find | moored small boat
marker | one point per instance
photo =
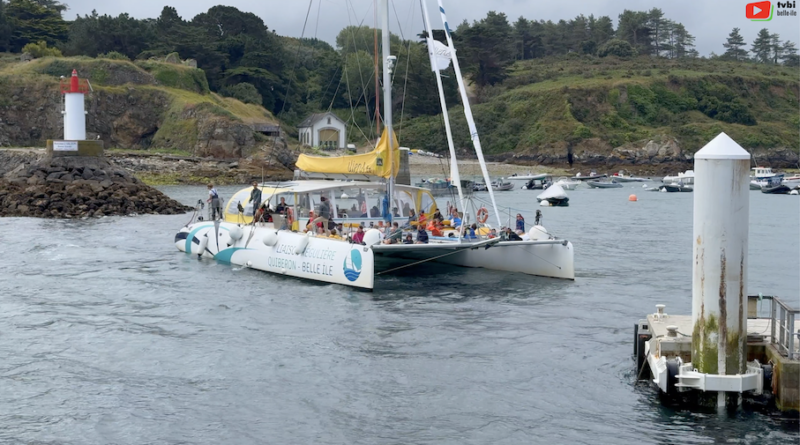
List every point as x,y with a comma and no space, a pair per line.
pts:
676,187
567,184
780,189
555,196
502,186
604,184
621,177
592,176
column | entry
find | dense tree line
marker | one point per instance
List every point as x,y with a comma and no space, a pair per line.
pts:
243,58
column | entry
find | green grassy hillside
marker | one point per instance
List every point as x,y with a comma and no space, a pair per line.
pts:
547,105
175,99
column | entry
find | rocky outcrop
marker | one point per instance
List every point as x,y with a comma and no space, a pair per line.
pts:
76,187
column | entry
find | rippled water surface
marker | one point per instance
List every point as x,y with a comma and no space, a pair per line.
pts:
109,335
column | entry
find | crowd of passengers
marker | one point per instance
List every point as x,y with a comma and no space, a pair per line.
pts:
322,224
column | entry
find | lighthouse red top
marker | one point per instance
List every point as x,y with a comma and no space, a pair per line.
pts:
74,84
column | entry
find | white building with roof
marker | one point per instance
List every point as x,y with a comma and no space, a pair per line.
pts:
323,130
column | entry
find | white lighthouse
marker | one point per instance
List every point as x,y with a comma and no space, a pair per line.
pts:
74,114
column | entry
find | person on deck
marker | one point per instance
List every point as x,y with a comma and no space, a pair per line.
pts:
456,221
435,227
395,235
255,196
215,208
358,237
422,218
493,234
409,239
324,214
469,233
412,216
520,222
511,236
422,235
282,206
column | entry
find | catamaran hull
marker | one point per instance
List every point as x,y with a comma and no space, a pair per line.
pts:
291,254
528,257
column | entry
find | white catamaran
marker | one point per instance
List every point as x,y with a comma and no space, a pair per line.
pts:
365,196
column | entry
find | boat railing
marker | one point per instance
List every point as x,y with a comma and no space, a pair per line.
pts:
783,335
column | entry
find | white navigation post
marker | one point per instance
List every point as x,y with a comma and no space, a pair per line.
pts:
74,113
440,56
468,113
388,61
719,271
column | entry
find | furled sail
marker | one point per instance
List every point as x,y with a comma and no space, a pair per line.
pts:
374,163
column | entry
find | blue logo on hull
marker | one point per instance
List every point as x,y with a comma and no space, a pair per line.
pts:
352,265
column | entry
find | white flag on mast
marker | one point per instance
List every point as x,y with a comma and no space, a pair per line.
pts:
440,55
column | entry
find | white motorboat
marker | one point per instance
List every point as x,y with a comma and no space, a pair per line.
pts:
554,196
529,177
685,178
280,245
593,176
568,184
622,177
501,185
792,181
764,177
598,184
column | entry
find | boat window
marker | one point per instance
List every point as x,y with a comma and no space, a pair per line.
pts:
404,202
242,196
427,204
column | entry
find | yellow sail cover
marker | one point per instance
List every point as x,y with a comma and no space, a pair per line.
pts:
374,163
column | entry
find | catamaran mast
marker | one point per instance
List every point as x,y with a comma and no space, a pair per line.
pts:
468,113
454,174
388,63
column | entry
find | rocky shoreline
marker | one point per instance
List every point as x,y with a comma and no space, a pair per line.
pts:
79,187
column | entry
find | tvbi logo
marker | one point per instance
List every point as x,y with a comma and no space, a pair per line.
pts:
763,11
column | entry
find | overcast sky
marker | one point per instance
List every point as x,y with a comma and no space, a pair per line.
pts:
710,21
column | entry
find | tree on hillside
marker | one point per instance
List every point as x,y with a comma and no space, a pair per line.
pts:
660,30
789,55
617,47
683,42
601,29
94,34
52,5
31,22
775,48
5,28
487,48
733,46
523,37
633,28
762,46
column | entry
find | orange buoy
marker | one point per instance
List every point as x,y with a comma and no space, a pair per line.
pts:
632,198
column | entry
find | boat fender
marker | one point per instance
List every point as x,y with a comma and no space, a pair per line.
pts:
203,244
235,233
482,215
301,246
794,192
372,236
538,233
271,238
544,203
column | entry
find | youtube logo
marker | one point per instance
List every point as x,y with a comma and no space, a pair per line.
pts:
758,11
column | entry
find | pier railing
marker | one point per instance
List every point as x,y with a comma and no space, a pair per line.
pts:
782,324
783,333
